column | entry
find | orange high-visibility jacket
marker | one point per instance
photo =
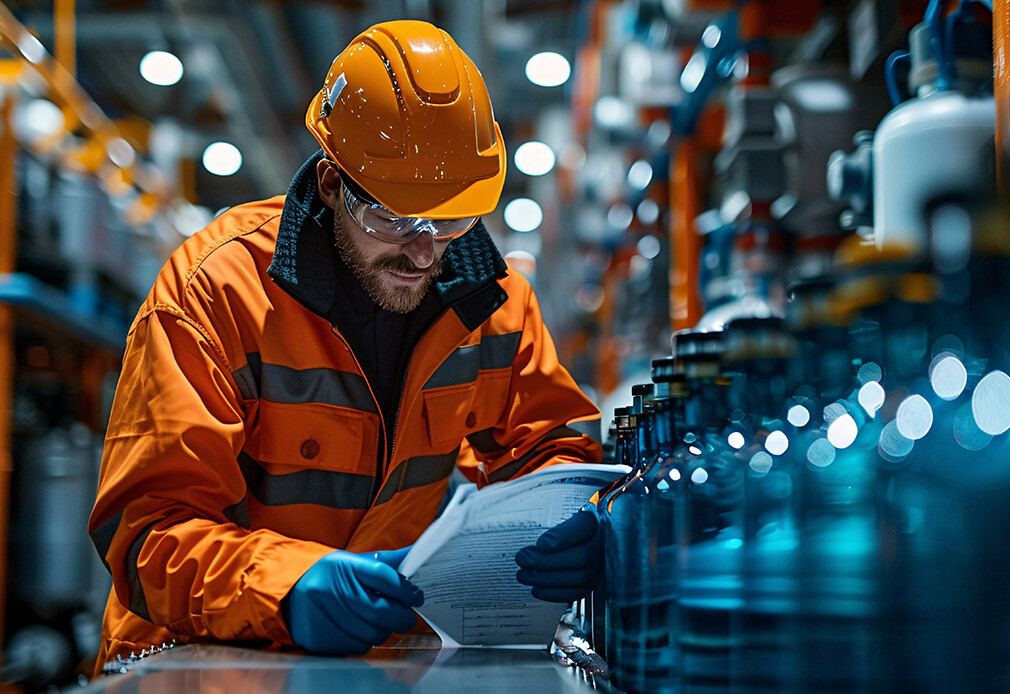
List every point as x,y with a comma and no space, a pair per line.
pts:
245,442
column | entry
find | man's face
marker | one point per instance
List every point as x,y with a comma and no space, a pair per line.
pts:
395,276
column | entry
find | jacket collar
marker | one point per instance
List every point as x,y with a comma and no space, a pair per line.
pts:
303,261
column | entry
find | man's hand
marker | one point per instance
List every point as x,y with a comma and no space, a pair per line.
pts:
566,563
346,603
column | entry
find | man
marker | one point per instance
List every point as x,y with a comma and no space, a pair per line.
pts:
307,371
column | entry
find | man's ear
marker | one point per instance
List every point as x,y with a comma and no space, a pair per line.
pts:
328,178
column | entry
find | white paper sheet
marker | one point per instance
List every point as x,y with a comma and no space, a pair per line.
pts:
465,561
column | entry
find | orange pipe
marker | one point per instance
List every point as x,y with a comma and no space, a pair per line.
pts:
1001,48
8,256
685,244
65,31
687,180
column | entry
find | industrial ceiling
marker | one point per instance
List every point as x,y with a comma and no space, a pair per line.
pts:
251,67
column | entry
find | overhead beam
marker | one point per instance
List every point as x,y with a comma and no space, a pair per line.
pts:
252,118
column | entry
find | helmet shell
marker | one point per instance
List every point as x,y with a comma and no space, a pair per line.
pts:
406,114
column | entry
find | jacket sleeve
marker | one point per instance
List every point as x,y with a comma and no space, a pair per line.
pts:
539,425
168,517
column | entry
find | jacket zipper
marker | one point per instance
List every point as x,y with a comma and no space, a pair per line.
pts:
381,461
396,415
389,447
403,391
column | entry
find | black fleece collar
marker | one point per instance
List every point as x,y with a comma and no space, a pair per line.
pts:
303,262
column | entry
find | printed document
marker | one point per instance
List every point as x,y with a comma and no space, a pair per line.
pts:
465,561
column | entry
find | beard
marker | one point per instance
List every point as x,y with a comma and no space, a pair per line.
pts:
369,273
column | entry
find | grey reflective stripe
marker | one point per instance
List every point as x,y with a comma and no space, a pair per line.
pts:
463,365
511,469
343,490
102,539
417,472
238,513
278,383
483,441
102,536
247,377
138,602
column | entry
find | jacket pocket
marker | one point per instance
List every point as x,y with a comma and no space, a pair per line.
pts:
452,413
293,437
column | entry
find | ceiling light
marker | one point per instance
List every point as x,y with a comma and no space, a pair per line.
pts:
161,68
37,119
620,216
649,246
821,96
222,158
711,36
613,112
690,78
523,214
534,158
31,48
120,152
548,69
640,175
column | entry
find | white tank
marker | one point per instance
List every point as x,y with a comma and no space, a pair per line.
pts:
936,146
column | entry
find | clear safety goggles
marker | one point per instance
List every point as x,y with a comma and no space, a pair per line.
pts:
381,223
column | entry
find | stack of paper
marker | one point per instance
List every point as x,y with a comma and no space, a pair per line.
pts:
465,561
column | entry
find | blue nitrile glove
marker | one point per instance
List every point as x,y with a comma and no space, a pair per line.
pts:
346,603
566,563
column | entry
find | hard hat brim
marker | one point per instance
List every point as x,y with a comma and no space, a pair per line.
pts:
420,198
439,200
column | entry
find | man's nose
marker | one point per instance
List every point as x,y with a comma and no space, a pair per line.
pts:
421,250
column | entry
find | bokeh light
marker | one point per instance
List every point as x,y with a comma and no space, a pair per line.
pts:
948,377
914,417
222,158
842,432
699,476
821,453
894,446
548,69
761,463
523,215
871,397
990,403
161,68
966,431
798,416
777,443
534,158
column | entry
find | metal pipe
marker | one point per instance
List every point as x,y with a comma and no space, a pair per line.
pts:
8,254
685,246
64,15
1001,85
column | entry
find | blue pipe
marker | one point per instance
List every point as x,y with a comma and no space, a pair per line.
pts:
894,90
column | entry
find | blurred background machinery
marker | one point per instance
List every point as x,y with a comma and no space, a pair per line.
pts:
799,196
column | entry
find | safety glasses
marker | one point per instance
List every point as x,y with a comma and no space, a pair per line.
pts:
386,226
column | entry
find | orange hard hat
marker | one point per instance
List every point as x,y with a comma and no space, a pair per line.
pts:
406,114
